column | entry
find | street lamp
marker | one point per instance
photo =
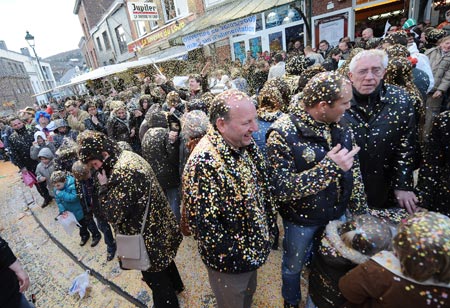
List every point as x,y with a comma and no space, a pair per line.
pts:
30,40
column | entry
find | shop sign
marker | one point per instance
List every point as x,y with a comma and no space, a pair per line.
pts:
142,11
241,26
156,36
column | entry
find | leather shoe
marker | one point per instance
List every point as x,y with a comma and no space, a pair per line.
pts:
110,256
84,241
95,240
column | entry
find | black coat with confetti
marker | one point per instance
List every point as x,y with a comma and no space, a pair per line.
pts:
20,142
160,152
229,208
434,175
310,188
123,200
385,128
118,129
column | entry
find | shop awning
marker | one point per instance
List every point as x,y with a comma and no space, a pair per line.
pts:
226,13
161,56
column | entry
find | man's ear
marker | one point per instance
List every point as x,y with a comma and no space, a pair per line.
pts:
220,124
105,155
350,76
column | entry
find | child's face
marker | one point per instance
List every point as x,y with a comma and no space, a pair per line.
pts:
44,160
40,140
59,185
62,129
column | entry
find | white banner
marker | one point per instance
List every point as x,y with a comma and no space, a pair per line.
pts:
241,26
142,11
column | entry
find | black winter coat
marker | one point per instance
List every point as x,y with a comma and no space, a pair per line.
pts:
100,127
434,175
310,188
20,142
386,132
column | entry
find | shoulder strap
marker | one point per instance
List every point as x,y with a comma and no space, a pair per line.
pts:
146,208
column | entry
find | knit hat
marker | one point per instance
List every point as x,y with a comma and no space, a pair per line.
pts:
409,23
194,124
60,123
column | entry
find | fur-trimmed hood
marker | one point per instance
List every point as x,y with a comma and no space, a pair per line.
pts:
334,240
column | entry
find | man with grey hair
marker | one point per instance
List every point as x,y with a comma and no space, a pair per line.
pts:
382,117
227,200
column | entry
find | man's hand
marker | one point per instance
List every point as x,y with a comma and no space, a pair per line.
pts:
133,132
342,157
22,276
407,200
102,179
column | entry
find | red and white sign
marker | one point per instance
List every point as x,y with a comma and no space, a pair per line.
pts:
142,11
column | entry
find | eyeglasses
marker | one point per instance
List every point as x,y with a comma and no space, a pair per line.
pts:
376,71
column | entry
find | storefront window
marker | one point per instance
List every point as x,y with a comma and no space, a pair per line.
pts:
239,51
259,23
293,34
281,15
255,46
275,40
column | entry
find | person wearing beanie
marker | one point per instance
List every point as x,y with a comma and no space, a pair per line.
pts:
126,182
63,130
416,274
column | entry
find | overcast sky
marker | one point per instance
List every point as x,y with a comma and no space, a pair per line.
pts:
52,23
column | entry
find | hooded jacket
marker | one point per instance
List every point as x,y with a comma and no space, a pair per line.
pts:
35,148
43,170
333,260
131,181
159,152
68,200
119,129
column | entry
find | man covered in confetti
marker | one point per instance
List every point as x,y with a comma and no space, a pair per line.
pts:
382,118
314,171
227,200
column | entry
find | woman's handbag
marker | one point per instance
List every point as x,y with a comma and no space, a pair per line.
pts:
131,248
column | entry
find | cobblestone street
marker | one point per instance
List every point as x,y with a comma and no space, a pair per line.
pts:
52,270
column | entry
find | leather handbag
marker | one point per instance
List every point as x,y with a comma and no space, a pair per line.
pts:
131,249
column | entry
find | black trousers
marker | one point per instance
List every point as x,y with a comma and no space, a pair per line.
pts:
165,285
43,190
88,223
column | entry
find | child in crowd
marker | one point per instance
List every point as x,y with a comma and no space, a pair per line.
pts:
88,192
344,245
44,170
40,142
416,274
67,200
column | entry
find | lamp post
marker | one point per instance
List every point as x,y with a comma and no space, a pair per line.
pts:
30,40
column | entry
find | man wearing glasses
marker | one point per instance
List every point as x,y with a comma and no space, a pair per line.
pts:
382,118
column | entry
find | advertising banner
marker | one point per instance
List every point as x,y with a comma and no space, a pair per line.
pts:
241,26
142,11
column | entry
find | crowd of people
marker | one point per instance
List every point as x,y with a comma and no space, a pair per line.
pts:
349,145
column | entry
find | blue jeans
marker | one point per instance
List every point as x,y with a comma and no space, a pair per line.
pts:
297,243
24,303
173,196
103,225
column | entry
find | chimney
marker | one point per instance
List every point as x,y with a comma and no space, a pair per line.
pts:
25,51
3,45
